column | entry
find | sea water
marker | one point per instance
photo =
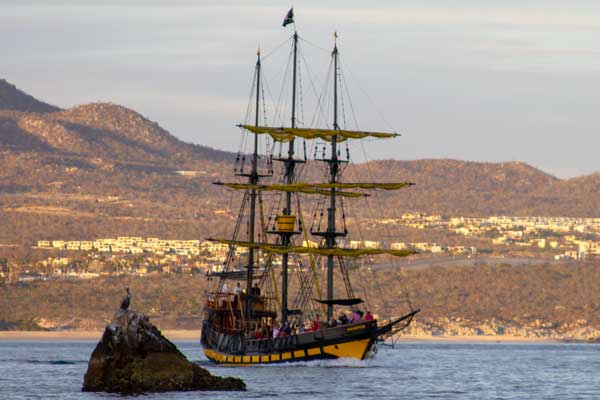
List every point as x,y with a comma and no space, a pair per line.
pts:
424,370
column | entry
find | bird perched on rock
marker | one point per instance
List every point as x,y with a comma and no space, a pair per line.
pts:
126,300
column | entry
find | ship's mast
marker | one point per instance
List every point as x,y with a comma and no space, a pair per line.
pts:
253,178
290,165
333,171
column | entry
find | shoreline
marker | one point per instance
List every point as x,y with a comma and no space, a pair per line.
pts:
181,334
175,334
477,339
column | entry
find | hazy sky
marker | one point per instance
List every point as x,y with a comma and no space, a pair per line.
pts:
487,80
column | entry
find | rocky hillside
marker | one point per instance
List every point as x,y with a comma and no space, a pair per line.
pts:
99,130
454,187
555,301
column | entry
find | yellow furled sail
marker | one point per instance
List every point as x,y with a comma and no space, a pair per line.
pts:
354,185
281,134
342,252
320,188
289,188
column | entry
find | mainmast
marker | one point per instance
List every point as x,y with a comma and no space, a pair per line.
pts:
331,234
253,179
290,165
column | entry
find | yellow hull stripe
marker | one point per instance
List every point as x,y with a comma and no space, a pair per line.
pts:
314,351
354,349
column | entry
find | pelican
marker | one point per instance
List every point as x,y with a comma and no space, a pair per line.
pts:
126,300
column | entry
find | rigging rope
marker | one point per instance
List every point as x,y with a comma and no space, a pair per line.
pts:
283,92
402,283
370,175
349,97
371,101
313,265
277,48
299,95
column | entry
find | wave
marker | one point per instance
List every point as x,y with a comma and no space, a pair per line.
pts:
335,363
204,363
53,362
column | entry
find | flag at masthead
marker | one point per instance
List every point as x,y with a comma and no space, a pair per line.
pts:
289,17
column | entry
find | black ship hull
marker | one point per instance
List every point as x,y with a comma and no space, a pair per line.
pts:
356,341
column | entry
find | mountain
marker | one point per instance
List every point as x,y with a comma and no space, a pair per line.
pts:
12,98
99,130
453,187
104,170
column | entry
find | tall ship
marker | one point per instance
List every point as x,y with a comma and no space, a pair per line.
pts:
254,313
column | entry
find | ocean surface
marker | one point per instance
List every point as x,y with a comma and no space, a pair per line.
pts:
424,370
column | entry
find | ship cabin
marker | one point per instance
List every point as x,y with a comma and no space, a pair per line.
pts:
225,313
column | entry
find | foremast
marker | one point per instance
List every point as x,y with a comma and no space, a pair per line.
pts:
253,180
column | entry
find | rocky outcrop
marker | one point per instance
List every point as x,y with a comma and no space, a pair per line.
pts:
134,357
578,331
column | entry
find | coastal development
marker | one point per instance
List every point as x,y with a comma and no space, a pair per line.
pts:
546,238
565,238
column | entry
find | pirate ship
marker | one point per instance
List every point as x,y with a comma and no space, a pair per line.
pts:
256,323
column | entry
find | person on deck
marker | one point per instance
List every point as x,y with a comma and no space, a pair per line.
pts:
333,323
369,316
287,329
255,290
271,326
316,324
225,292
236,295
355,317
343,319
